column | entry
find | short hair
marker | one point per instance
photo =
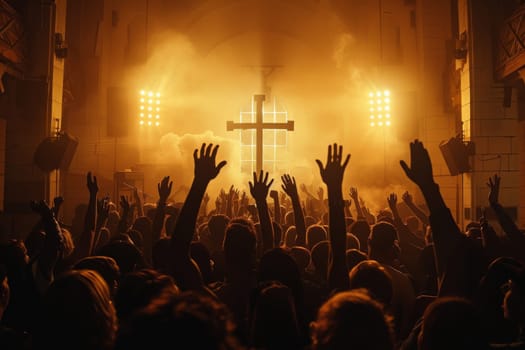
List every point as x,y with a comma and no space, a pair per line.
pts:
452,323
315,234
352,242
171,320
383,235
369,274
352,320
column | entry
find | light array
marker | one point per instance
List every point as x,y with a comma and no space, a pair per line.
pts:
379,108
149,108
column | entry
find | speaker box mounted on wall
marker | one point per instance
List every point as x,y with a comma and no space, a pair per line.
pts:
56,152
456,154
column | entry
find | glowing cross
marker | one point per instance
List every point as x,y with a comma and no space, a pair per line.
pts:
259,126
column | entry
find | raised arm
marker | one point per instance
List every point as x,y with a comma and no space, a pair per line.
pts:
507,224
420,214
57,204
85,245
53,245
405,236
138,202
259,190
123,224
445,232
184,270
274,195
332,174
290,188
164,189
355,197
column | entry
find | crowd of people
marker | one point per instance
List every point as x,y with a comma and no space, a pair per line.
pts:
269,269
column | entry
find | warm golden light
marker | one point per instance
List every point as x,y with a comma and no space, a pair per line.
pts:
380,99
147,104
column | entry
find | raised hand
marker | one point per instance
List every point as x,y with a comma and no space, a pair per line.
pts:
320,194
392,201
206,198
303,188
420,170
57,203
92,184
164,188
493,185
274,194
41,207
205,167
289,186
354,195
124,203
407,198
103,208
332,173
260,186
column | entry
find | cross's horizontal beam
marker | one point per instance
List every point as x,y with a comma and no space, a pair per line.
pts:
243,126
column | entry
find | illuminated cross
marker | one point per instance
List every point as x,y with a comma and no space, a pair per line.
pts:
259,126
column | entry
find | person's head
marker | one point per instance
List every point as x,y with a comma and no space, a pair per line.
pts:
143,224
354,257
161,255
290,236
277,265
106,267
361,229
382,243
370,275
201,255
13,255
113,221
302,257
240,245
352,320
125,253
413,224
273,321
137,289
314,235
172,321
169,224
320,254
289,218
217,227
451,323
77,313
352,242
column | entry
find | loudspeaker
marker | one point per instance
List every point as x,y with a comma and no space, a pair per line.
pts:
456,155
118,111
56,152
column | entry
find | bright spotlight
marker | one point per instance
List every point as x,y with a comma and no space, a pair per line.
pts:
380,102
151,105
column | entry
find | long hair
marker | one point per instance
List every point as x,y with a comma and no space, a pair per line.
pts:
77,313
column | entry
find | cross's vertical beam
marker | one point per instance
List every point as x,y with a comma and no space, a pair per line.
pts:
259,99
